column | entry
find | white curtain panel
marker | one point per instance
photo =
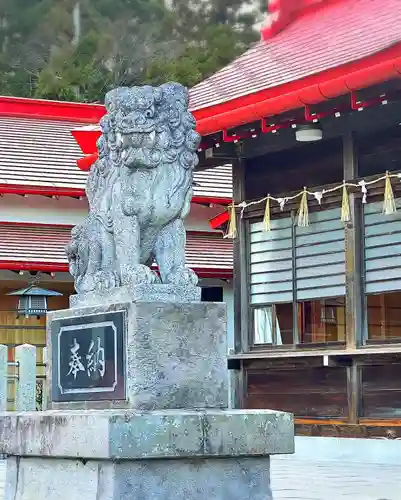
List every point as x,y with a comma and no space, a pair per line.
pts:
263,326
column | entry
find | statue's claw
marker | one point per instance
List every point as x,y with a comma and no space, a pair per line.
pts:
138,275
183,276
105,280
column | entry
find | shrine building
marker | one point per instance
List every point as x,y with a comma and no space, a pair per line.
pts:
310,117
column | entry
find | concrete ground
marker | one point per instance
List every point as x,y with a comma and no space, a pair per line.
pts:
339,469
295,479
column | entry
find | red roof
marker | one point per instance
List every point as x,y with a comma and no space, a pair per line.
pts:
283,12
42,248
39,156
335,36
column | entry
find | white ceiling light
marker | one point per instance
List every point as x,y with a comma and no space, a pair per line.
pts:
308,133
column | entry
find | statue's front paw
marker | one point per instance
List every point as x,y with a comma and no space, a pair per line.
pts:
183,276
138,275
85,284
105,280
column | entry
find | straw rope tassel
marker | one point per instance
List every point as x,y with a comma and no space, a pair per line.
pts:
303,212
266,218
345,211
389,206
232,227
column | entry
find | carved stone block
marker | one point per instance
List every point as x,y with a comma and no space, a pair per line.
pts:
174,356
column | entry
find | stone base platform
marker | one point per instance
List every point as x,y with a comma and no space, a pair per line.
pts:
158,292
124,455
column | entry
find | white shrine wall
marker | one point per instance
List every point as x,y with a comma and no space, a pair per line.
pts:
71,211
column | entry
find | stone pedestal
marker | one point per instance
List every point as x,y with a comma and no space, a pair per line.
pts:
125,455
168,355
138,393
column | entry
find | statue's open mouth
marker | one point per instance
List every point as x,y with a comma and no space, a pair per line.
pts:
139,140
140,150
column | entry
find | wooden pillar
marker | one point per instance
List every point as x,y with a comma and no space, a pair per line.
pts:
353,278
353,251
354,382
297,309
241,282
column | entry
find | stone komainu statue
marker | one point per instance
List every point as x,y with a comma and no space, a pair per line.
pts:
139,191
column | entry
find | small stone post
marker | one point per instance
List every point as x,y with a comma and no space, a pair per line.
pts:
45,382
3,377
25,356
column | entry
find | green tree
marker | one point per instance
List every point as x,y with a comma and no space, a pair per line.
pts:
78,49
213,33
114,48
75,73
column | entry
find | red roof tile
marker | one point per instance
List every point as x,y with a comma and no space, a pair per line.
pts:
338,34
43,153
43,245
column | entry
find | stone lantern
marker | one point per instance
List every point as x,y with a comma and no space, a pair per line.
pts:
33,300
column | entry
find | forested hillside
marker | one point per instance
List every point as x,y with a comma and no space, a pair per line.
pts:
78,49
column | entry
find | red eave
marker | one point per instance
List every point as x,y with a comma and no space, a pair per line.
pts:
219,220
204,200
312,90
56,267
44,267
39,191
51,110
78,193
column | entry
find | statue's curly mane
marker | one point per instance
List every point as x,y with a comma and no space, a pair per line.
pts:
138,115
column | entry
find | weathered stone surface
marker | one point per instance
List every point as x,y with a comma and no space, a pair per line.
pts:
217,479
175,355
139,192
195,479
128,435
139,293
55,479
